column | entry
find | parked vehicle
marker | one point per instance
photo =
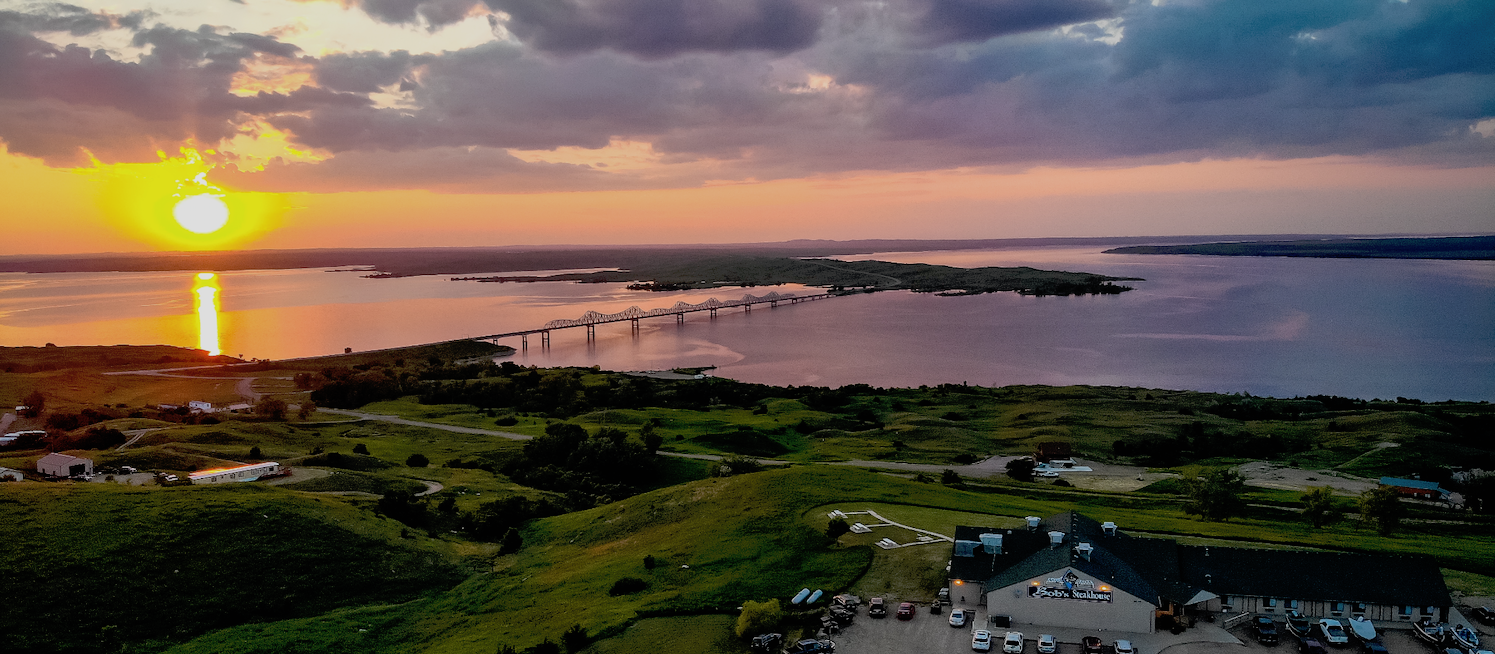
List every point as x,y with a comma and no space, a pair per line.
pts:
1266,630
1483,614
1298,624
1124,647
811,646
944,596
1311,646
1091,645
1464,638
876,608
846,601
906,611
1047,644
767,643
1012,643
840,616
1362,629
1434,633
958,618
981,640
1333,632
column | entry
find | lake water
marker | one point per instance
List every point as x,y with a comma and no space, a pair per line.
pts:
1268,326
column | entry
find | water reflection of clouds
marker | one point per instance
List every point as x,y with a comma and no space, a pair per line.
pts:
1287,329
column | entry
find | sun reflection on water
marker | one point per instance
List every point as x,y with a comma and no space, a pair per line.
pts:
206,292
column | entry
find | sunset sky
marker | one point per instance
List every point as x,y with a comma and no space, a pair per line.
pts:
378,123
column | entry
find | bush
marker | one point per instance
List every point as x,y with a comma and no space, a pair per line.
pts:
758,617
627,586
506,421
837,528
417,460
361,449
575,639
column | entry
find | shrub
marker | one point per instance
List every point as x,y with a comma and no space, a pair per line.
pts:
758,617
417,460
837,528
627,586
506,421
360,449
575,639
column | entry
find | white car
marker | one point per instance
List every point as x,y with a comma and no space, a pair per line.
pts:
1333,632
1125,647
958,618
1047,644
1013,642
981,640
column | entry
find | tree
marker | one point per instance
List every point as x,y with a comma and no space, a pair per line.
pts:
837,528
1020,469
511,543
949,477
1381,507
273,407
652,441
758,617
254,453
1214,495
627,586
575,639
35,403
417,460
545,647
361,449
1318,506
307,408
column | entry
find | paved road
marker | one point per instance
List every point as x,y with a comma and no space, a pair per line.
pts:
433,425
431,487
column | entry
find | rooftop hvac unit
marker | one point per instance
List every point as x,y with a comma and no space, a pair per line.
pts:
966,548
1109,528
1033,521
992,543
1056,538
1084,550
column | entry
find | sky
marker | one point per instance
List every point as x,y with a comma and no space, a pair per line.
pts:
380,123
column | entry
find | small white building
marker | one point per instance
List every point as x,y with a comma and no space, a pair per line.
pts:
7,474
57,464
199,405
248,472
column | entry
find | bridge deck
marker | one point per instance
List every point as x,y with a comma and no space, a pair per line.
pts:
592,318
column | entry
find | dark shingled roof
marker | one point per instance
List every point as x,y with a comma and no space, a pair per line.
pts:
1144,567
1315,576
1155,569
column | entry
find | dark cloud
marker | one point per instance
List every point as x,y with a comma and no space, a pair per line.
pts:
663,28
950,21
446,169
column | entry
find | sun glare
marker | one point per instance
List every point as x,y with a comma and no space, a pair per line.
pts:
201,214
207,314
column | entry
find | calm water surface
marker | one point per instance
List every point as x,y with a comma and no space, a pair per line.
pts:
1268,326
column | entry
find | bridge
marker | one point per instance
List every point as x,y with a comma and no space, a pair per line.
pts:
591,319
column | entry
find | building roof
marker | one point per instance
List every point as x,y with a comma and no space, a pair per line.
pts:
1146,568
1411,483
60,459
1156,569
1315,576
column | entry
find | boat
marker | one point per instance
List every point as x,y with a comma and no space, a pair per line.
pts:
1464,638
1430,631
1298,624
1362,629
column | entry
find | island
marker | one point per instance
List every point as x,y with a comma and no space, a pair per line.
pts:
1480,248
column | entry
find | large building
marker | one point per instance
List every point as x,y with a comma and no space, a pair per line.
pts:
1070,571
247,472
57,464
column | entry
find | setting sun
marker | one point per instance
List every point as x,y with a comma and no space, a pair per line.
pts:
201,214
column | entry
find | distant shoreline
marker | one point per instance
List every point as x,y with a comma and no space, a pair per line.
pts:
1464,248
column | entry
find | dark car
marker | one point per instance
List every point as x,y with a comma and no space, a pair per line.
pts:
1266,630
1372,647
906,611
811,646
767,643
1483,614
1311,646
1092,645
876,608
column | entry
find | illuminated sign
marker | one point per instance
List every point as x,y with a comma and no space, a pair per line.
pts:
1070,587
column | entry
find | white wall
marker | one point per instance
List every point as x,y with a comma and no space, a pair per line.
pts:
1125,612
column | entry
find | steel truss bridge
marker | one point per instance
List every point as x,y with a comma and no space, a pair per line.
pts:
591,319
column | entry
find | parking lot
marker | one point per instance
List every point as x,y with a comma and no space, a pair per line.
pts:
932,633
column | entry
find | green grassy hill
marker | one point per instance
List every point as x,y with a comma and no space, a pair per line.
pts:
94,567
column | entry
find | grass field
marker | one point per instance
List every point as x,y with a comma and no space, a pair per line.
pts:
92,566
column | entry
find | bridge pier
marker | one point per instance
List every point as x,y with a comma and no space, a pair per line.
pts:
747,308
524,341
591,332
773,303
545,339
680,318
713,313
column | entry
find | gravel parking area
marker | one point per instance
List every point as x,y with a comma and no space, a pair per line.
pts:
932,633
